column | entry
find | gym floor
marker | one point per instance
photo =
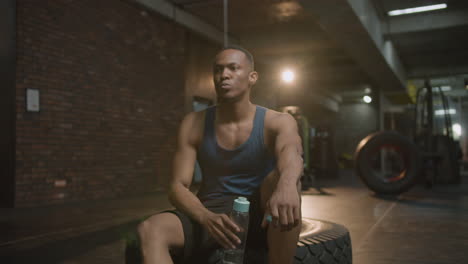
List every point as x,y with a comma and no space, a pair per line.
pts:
421,226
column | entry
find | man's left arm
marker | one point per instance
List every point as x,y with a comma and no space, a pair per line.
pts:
284,203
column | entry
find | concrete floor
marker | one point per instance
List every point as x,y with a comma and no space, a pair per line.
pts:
421,226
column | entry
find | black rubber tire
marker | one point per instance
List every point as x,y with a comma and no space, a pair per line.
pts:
320,242
367,148
323,242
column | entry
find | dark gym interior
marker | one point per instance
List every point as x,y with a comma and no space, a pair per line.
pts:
94,92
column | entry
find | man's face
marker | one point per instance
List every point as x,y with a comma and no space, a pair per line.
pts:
232,74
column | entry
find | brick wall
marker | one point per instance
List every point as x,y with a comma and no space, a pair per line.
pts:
111,82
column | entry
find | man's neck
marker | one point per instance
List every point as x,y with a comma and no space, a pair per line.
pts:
234,112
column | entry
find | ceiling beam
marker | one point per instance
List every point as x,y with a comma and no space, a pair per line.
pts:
431,71
427,21
189,21
355,25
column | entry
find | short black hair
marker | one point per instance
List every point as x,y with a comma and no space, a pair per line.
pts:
243,50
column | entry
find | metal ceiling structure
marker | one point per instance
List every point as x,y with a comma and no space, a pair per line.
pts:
345,45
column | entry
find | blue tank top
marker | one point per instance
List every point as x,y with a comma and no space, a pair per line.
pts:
233,172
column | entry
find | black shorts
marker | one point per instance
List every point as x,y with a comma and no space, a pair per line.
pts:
199,246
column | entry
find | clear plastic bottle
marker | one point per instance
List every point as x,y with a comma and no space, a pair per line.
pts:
240,215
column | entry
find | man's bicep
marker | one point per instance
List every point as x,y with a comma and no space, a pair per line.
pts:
185,156
287,136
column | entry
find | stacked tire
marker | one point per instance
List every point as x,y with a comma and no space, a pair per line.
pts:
324,243
320,242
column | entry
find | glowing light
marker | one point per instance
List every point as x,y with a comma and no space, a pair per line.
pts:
287,76
445,112
416,9
442,88
367,99
457,130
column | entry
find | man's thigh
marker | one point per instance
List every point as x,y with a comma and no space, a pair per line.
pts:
166,226
187,240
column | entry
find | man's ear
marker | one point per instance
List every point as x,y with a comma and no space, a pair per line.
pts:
253,77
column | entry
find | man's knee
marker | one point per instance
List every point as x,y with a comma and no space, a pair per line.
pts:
161,228
144,229
147,231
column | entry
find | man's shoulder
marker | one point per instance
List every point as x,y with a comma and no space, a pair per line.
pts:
271,112
274,118
192,126
195,117
194,121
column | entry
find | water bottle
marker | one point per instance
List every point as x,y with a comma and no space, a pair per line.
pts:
240,216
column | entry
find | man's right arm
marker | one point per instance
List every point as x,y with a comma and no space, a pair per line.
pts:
183,166
219,226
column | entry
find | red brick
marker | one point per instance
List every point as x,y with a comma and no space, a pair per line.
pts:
112,95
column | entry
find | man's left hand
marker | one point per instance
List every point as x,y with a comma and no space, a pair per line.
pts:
284,208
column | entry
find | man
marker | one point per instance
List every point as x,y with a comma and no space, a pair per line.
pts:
243,150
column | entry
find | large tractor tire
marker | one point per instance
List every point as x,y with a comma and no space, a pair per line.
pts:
387,162
320,242
323,243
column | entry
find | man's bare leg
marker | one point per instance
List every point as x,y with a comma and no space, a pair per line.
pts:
158,234
281,244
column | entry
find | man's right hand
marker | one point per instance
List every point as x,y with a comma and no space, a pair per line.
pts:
222,229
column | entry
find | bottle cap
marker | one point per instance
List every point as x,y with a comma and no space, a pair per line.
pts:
241,204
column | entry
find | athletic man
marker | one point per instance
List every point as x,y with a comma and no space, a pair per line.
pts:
243,150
